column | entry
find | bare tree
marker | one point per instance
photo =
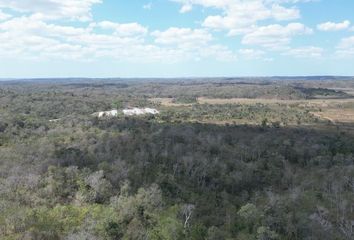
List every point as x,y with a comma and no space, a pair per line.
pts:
187,211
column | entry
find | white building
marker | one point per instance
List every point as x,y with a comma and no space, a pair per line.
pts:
127,112
112,113
151,111
140,111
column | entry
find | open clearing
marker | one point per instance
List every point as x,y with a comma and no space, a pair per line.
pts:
168,102
337,115
310,102
202,100
333,110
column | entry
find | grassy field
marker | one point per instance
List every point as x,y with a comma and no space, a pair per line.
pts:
337,115
335,111
203,100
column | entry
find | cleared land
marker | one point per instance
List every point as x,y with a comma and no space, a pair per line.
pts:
333,110
337,115
204,100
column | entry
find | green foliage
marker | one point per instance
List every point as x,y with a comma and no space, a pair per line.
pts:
168,226
215,234
250,216
185,99
260,114
264,233
167,178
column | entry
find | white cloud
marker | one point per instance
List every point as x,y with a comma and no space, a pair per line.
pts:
28,37
291,1
33,38
282,13
34,34
251,54
32,25
347,43
147,6
305,52
126,29
53,9
195,43
4,16
218,52
183,36
331,26
206,3
346,47
186,8
238,15
275,36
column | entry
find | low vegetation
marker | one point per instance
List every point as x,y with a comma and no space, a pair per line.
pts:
274,169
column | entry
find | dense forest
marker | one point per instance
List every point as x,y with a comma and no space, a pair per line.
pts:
236,171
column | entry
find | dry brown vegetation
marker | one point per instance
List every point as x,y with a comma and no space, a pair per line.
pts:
215,164
333,110
337,115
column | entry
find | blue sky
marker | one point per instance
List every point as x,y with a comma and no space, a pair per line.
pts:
175,38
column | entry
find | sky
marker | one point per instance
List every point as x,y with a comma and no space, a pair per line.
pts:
175,38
